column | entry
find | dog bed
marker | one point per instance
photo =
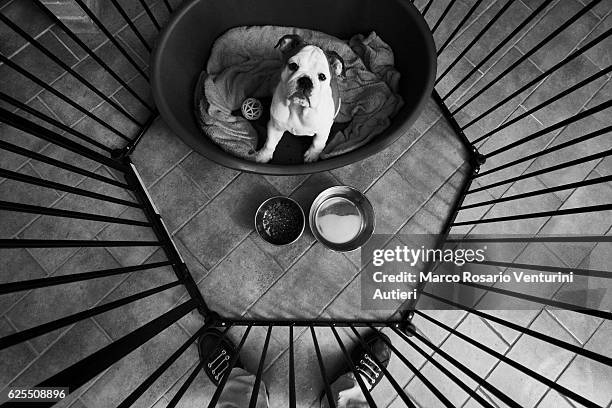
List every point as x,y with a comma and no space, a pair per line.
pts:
243,63
185,44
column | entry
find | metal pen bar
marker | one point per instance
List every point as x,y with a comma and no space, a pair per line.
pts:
459,26
71,243
131,24
133,397
328,393
232,364
76,277
463,368
426,8
534,81
347,358
482,32
52,137
499,46
540,336
444,13
566,211
126,150
262,361
570,163
292,399
480,380
24,178
147,10
561,305
434,390
52,121
558,125
67,68
398,388
44,328
505,239
510,362
455,125
61,96
529,53
185,386
168,6
547,102
55,212
568,186
86,369
93,55
313,322
163,235
57,163
576,271
111,38
560,146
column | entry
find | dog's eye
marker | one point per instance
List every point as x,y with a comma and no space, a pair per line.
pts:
293,66
322,77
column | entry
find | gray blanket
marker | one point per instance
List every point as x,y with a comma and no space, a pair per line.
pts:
243,63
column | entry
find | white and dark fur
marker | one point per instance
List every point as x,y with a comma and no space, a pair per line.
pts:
306,100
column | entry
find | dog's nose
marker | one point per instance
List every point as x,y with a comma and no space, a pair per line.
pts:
304,83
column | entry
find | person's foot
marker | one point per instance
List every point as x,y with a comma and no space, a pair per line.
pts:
217,353
368,360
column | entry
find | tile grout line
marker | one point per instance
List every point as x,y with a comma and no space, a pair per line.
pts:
531,322
357,274
527,168
511,45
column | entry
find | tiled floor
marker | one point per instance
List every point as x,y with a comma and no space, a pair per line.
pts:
208,209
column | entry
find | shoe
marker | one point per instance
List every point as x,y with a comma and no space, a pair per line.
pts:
368,360
216,352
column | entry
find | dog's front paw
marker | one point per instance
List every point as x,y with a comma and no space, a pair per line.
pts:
263,156
311,155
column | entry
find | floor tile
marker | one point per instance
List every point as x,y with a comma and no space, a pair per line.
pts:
147,158
14,358
12,222
572,73
124,376
302,293
80,341
17,265
47,304
209,176
177,198
563,43
121,321
226,220
590,378
243,276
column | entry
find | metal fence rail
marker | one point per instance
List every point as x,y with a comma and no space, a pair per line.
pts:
114,156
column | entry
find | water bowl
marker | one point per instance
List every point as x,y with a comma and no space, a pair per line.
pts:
342,218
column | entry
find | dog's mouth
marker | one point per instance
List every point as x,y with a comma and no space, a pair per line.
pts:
299,98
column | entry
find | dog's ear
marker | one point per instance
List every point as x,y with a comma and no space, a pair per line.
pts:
289,43
336,63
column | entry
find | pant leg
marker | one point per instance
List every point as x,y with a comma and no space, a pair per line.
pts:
346,393
238,389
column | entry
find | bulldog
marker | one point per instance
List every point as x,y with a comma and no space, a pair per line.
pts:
306,100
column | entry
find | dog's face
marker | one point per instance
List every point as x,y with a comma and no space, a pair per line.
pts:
308,71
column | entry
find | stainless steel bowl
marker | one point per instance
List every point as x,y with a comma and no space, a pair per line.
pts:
300,221
342,212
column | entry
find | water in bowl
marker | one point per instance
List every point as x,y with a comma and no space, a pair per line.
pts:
338,220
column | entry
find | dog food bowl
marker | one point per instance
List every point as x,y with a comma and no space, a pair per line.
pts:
280,220
342,218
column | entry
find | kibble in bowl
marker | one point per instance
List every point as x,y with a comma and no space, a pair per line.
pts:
280,220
